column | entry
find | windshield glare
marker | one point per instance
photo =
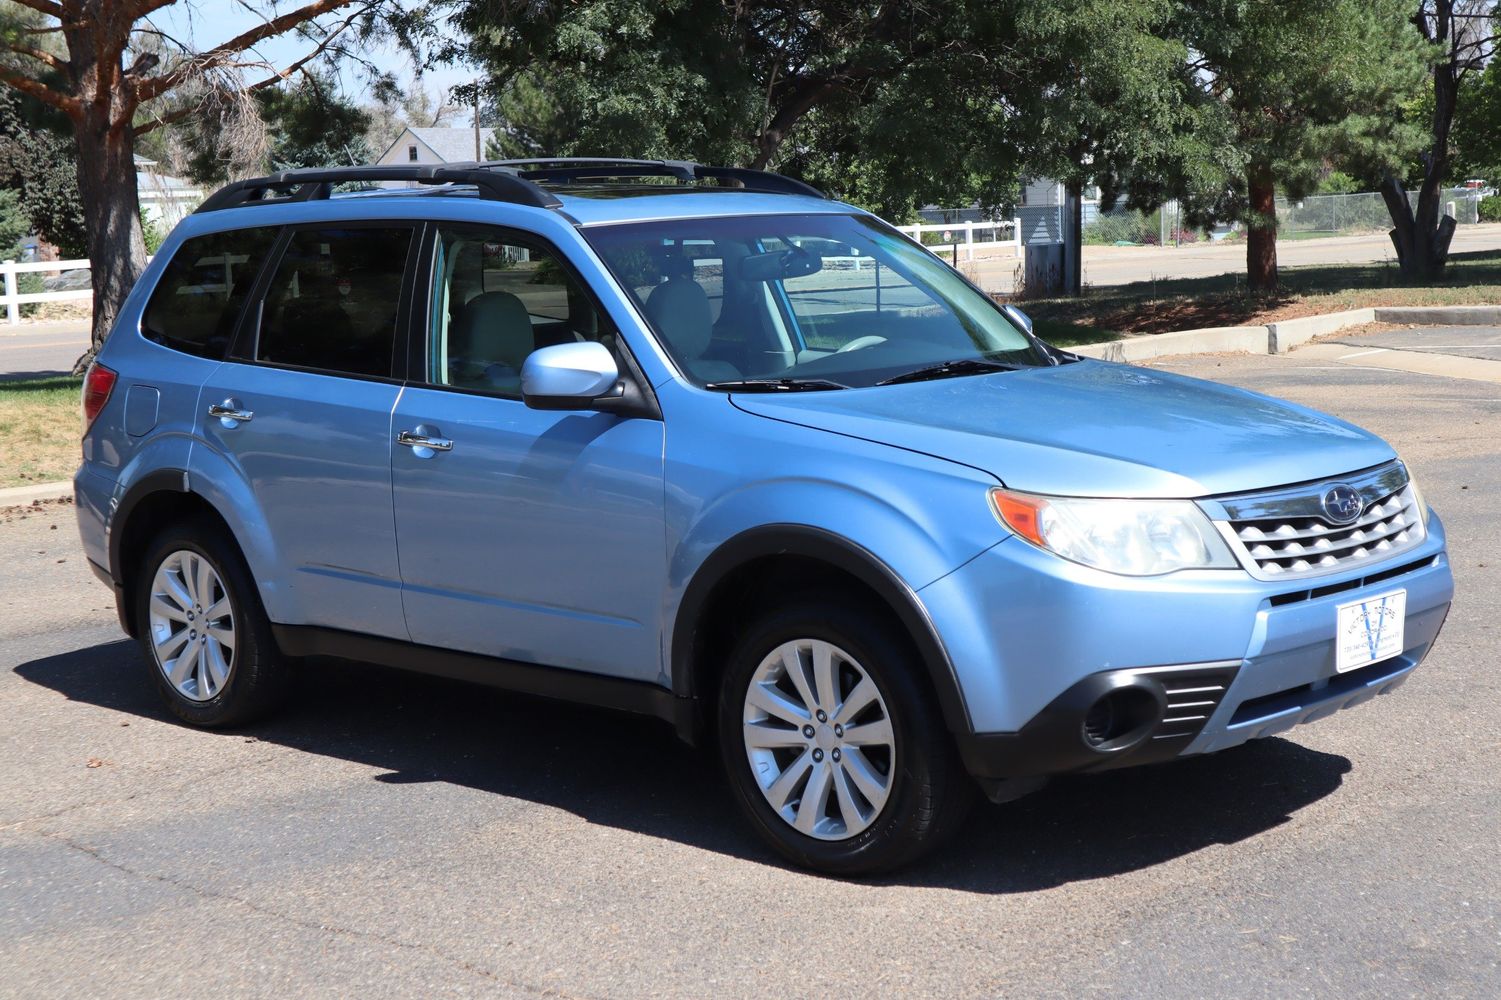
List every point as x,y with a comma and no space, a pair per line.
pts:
839,299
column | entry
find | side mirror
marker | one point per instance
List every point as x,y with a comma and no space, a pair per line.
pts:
1016,316
569,376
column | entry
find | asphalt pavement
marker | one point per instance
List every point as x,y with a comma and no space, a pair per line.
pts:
393,835
41,349
1482,342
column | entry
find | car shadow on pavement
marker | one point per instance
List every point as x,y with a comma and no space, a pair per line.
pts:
633,774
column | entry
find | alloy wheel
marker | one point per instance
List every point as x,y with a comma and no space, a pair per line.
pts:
192,625
819,739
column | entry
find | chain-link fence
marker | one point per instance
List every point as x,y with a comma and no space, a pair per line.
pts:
1314,216
1352,214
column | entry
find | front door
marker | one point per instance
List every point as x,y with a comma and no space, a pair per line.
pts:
304,413
536,536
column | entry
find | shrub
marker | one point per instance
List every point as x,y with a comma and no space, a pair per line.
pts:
1490,209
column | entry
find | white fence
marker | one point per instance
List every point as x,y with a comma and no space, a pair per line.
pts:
14,299
968,236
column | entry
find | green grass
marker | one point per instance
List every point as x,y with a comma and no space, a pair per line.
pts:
39,430
1223,300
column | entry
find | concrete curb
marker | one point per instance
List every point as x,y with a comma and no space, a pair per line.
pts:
1279,338
25,496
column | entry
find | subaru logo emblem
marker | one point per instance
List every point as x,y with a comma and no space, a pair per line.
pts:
1342,504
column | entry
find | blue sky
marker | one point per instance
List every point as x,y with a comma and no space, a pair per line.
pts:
205,23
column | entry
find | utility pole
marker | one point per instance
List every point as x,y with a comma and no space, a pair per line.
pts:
479,153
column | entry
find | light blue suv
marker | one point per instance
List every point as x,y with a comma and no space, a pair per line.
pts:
697,443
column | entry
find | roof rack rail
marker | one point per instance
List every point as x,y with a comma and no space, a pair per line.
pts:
315,183
587,168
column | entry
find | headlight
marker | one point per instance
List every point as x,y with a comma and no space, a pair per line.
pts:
1417,495
1130,537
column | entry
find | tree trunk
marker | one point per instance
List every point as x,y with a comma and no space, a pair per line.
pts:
1261,235
112,217
1422,236
105,104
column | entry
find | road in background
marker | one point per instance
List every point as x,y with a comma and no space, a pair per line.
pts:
393,835
42,349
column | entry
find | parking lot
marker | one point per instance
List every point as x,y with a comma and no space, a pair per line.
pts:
394,835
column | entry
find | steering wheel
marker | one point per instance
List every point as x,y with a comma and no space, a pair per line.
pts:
860,343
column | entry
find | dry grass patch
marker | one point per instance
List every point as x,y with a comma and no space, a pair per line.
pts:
39,430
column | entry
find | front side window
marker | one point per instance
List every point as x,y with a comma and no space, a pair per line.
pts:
497,297
813,301
332,304
198,300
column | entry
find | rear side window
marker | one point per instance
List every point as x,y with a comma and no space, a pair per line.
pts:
199,297
332,304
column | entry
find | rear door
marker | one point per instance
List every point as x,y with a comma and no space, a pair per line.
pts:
539,535
302,411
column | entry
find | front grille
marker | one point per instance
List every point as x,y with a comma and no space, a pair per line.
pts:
1284,534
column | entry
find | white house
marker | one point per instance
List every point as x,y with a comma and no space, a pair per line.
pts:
436,145
164,199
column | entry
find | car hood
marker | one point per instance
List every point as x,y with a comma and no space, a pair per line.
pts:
1092,428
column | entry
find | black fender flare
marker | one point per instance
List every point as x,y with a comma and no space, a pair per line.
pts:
825,546
156,481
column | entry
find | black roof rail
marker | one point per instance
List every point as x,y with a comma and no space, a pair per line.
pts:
587,168
315,183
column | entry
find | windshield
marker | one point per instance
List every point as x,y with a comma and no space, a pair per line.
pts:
807,302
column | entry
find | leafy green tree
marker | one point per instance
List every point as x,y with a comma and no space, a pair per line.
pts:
14,225
312,125
890,104
36,163
1297,85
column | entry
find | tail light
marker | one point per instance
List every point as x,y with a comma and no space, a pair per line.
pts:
97,385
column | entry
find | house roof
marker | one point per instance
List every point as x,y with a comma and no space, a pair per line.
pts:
452,145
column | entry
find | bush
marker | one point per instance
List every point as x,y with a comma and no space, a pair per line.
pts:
152,233
1490,209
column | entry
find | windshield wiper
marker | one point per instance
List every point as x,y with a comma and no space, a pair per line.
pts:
947,369
777,384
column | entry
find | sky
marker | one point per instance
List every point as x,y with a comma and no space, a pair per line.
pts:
205,23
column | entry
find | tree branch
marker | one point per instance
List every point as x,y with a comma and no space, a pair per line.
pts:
176,116
156,86
40,91
48,7
40,55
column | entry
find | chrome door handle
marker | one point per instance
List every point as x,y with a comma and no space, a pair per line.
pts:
419,439
230,413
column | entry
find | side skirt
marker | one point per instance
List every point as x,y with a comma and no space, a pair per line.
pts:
636,697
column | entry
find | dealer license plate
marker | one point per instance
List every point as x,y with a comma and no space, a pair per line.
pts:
1370,630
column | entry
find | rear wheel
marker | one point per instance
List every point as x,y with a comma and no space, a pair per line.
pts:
206,639
833,743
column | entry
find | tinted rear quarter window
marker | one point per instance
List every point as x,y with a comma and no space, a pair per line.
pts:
199,297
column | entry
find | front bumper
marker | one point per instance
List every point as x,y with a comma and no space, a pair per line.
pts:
1246,659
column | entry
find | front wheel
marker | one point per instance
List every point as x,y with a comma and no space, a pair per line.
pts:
832,741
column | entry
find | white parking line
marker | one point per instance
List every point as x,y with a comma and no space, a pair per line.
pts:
1361,354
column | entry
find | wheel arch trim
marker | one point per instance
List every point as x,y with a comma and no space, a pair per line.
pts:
820,544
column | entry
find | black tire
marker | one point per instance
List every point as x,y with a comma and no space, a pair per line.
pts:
930,794
259,676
